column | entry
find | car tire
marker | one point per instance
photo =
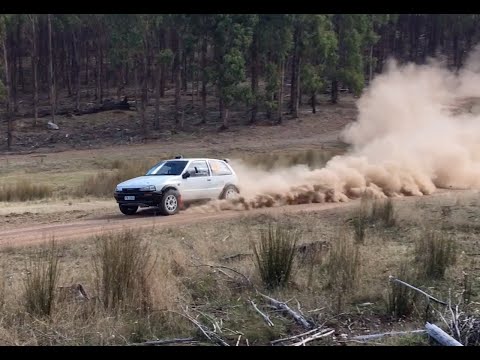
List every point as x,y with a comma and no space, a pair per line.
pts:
128,209
229,192
170,202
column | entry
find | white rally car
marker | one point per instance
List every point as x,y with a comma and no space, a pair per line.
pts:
172,182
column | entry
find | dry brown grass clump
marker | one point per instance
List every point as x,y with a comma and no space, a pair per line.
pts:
103,184
275,254
24,190
434,252
41,281
123,264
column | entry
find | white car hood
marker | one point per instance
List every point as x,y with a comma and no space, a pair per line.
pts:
157,180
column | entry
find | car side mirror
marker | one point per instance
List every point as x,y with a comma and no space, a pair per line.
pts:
186,175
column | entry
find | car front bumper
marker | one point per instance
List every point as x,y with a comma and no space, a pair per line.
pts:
138,198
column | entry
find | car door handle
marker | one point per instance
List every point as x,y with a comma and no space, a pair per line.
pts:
209,179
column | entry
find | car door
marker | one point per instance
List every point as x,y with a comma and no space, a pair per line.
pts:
221,174
198,185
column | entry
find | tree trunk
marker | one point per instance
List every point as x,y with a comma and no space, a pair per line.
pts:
21,79
314,103
9,93
66,70
295,74
77,68
52,74
34,71
280,92
204,79
163,73
98,79
334,92
456,61
177,73
14,44
370,70
144,100
224,117
255,72
156,120
184,72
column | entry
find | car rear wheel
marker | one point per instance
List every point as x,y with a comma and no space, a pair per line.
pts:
128,209
169,205
230,192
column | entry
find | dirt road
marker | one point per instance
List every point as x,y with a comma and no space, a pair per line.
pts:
29,235
113,221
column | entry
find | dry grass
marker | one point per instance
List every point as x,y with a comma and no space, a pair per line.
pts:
434,252
24,190
41,282
311,158
331,274
343,267
383,212
275,254
103,184
400,299
123,265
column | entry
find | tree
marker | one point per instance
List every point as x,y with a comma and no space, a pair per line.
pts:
232,37
4,19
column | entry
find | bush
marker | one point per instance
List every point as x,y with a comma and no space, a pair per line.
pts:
401,299
24,190
274,255
41,282
123,264
343,267
103,184
434,252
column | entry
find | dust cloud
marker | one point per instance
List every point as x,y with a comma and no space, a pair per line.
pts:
407,140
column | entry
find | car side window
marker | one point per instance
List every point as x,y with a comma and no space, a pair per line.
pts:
198,168
219,168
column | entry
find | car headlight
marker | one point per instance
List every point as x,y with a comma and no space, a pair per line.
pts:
148,188
118,188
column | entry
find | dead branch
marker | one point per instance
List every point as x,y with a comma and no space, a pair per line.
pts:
295,336
235,256
392,333
210,335
314,337
264,316
284,307
227,268
391,278
166,342
441,336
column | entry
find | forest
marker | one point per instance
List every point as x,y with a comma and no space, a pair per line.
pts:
268,64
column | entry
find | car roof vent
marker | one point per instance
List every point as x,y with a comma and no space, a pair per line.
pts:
179,157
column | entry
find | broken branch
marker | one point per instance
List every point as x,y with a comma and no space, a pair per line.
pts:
264,316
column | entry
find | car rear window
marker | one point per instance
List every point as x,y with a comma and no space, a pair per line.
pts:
219,168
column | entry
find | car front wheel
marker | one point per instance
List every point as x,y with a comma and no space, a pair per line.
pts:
128,209
169,205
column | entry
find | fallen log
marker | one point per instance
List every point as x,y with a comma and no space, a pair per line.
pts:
166,342
441,336
106,106
284,307
393,333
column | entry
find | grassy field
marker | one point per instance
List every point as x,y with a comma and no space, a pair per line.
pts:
162,284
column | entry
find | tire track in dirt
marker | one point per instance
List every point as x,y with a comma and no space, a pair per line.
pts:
113,222
78,230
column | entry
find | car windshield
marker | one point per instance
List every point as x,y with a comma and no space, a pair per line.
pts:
171,167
